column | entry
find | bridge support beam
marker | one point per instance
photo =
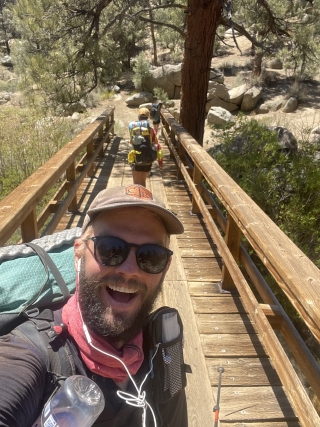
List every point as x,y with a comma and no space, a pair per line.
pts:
232,239
29,227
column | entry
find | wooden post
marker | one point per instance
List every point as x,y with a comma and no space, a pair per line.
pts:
182,155
100,136
90,150
29,227
174,142
165,125
232,239
197,179
71,178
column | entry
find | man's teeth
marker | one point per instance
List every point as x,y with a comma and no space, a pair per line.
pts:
122,289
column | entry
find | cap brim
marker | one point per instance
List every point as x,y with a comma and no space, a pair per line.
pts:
169,219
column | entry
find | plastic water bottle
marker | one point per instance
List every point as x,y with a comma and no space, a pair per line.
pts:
77,403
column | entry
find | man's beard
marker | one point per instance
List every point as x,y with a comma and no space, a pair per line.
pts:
101,320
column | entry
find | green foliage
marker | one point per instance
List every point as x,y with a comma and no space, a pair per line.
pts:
285,29
169,38
63,52
27,140
285,186
107,94
141,70
160,94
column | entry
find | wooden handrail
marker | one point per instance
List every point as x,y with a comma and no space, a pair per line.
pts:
19,207
296,275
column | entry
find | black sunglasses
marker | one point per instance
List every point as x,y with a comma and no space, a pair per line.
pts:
112,251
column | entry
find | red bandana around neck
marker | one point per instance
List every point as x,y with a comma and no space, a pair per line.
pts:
131,354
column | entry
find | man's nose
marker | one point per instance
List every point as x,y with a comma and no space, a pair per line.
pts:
129,266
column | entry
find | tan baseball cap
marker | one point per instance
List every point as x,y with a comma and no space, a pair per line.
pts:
133,195
144,112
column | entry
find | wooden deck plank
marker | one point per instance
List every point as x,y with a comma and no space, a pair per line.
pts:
214,305
255,403
243,372
200,289
232,345
233,323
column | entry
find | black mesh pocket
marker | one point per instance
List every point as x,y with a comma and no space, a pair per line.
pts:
168,367
173,362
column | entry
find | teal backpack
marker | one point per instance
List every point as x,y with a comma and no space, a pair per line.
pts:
36,275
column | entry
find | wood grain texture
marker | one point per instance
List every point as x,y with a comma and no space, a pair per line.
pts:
243,372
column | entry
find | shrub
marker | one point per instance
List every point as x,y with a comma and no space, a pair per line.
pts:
160,94
141,71
285,186
27,140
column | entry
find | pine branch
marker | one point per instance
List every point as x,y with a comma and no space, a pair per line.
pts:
163,25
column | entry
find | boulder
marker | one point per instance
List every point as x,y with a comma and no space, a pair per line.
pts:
77,107
169,104
236,94
175,113
217,90
262,109
114,88
217,102
219,116
275,105
75,117
286,138
6,61
315,135
291,105
166,77
6,96
139,98
251,98
216,76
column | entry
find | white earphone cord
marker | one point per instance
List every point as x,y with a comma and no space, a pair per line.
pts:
137,401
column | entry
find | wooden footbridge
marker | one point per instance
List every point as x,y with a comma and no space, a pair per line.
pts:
231,317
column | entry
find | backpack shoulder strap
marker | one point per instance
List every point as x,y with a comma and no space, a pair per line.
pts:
47,262
50,341
28,331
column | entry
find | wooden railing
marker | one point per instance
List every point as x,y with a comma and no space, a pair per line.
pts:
296,275
18,209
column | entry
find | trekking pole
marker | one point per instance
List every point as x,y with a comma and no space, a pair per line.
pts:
216,408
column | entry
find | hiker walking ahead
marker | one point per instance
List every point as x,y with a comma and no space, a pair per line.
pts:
121,260
143,147
155,115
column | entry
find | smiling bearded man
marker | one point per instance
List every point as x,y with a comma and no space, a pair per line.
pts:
106,330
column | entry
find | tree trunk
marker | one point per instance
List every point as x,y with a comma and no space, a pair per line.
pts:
257,63
155,56
202,22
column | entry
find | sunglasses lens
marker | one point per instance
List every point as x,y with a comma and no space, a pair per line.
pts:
152,258
111,251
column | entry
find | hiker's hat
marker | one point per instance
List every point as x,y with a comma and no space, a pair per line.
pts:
144,112
132,196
